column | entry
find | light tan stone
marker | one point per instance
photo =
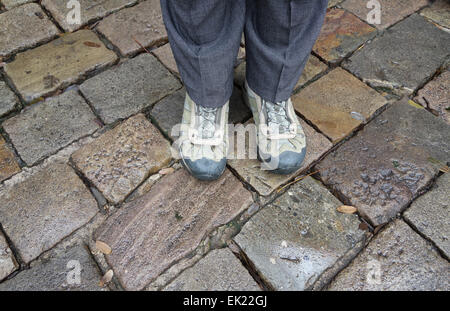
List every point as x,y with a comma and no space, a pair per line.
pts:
57,64
337,103
313,68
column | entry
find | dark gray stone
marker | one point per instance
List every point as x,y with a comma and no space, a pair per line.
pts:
220,270
430,214
7,99
41,209
57,272
299,236
404,57
42,129
125,90
396,259
387,164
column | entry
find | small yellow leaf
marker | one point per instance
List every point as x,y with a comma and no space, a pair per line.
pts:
346,209
414,104
106,278
103,247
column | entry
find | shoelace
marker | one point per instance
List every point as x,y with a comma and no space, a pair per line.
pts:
277,119
207,122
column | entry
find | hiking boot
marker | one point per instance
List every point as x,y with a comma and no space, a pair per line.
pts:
203,142
281,140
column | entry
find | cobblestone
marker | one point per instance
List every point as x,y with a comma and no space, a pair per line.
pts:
402,59
168,223
127,89
396,259
220,270
43,128
36,216
120,159
296,238
41,71
24,27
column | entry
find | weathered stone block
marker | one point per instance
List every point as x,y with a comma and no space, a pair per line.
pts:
219,270
43,128
337,103
35,215
120,159
397,259
41,71
404,57
142,23
341,34
24,27
387,164
293,240
127,89
430,214
151,233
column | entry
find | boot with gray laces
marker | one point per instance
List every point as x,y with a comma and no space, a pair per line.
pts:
281,140
203,142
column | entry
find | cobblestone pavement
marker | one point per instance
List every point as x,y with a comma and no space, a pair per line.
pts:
91,197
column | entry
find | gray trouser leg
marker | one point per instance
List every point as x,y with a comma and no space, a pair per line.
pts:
205,36
279,36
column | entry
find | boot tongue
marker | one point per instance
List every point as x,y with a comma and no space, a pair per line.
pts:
206,122
277,119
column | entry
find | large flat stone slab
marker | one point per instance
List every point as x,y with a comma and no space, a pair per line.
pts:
337,103
387,164
264,182
219,270
8,100
390,11
43,128
41,71
120,159
436,96
35,215
128,88
438,12
397,259
293,240
430,214
58,272
167,224
142,23
8,263
404,57
24,27
8,162
91,10
341,34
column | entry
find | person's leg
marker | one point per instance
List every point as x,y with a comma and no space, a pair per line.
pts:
205,36
279,36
